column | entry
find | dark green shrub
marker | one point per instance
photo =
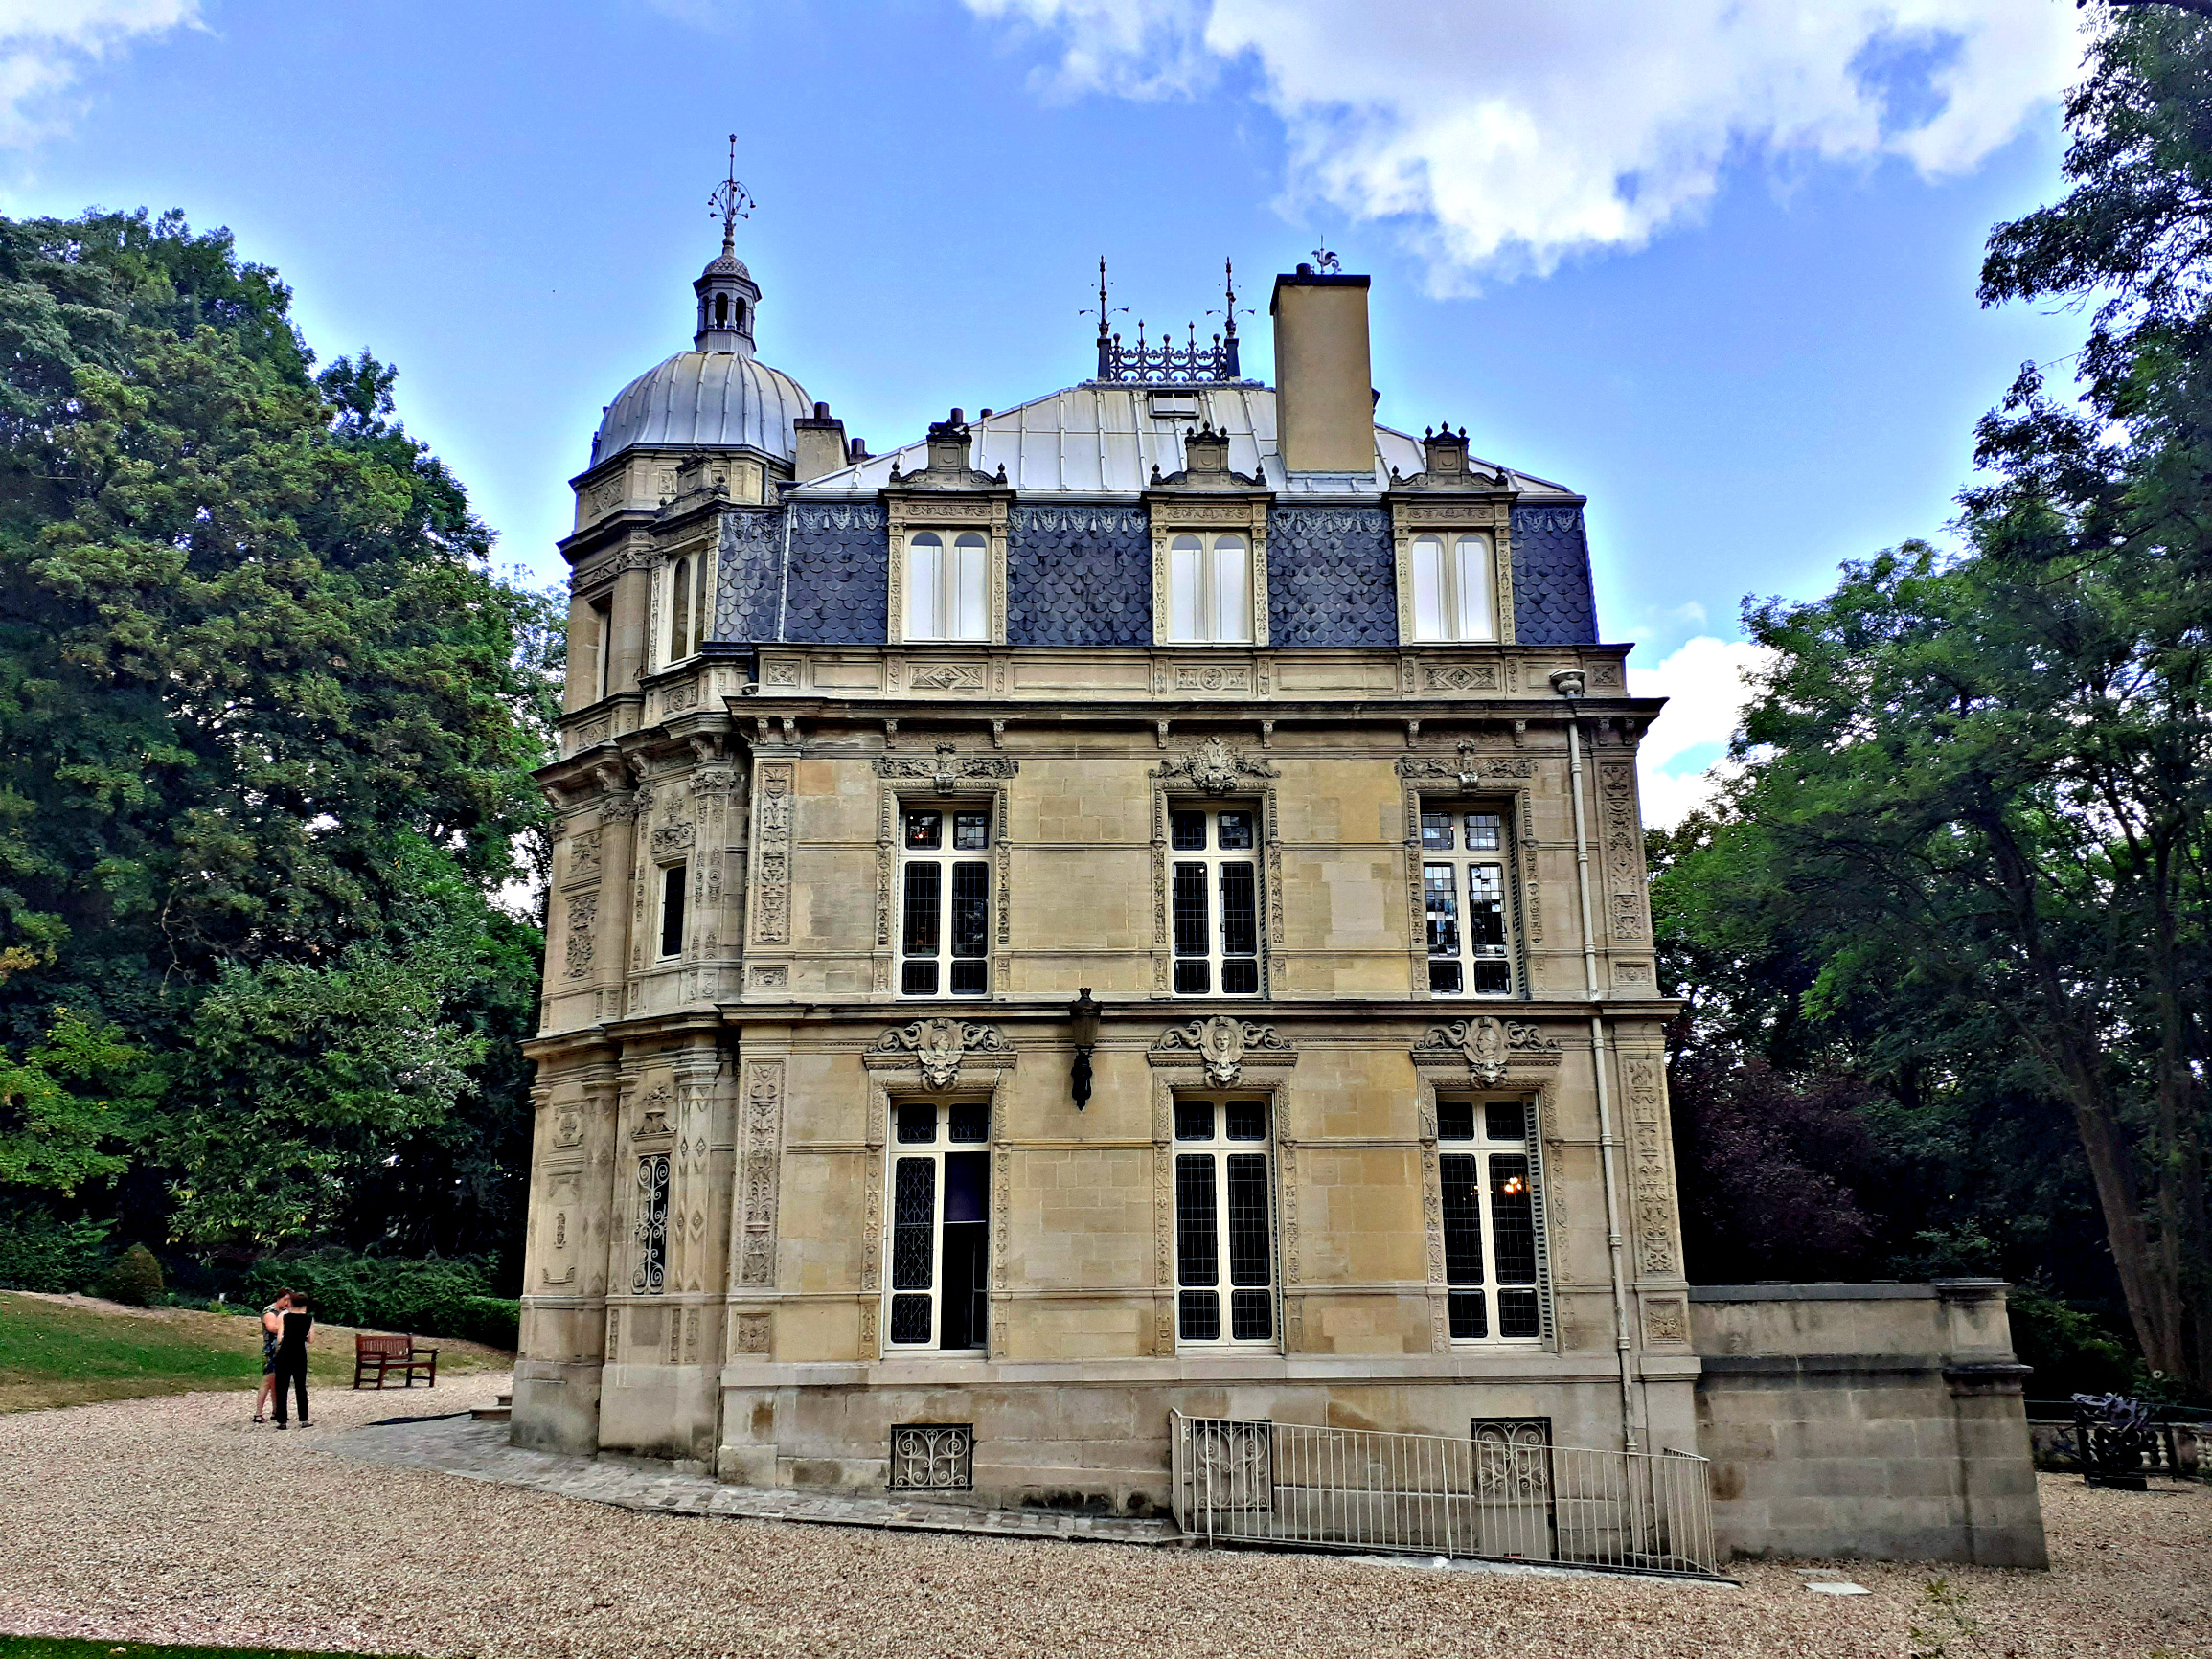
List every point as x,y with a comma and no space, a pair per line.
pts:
39,1251
135,1278
495,1321
2070,1352
428,1297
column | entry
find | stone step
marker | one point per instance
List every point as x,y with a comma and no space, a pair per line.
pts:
493,1413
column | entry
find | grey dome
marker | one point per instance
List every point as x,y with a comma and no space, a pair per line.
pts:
705,399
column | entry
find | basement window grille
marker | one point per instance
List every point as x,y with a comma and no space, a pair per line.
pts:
933,1457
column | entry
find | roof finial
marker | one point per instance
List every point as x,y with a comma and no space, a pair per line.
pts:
732,200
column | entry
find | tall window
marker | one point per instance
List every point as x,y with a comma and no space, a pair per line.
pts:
940,1224
1489,1218
1214,892
1224,1221
1453,588
672,909
1462,877
680,611
688,605
602,645
1208,588
945,586
945,902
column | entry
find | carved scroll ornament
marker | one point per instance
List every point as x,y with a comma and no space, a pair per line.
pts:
1487,1045
940,1046
1222,1043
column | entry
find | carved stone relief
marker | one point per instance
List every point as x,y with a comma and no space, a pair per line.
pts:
939,1046
1467,769
763,1152
1221,1045
583,915
1651,1194
1489,1046
1215,768
947,771
771,901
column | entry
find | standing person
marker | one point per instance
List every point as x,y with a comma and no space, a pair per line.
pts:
293,1356
272,1329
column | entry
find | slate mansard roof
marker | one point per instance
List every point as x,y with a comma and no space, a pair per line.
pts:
1079,549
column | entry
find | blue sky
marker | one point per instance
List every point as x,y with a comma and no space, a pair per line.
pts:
1720,281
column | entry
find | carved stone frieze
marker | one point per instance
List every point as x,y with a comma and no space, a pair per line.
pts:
946,677
1467,769
1489,1047
940,1046
949,771
1223,1045
1215,768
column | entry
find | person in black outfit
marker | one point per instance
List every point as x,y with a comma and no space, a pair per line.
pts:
293,1356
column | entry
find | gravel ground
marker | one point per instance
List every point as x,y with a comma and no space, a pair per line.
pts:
173,1519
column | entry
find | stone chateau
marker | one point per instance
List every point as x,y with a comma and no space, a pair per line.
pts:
1132,902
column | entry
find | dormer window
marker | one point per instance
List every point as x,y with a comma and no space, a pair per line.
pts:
1453,589
1209,589
947,584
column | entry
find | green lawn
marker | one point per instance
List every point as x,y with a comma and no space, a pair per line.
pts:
76,1352
72,1648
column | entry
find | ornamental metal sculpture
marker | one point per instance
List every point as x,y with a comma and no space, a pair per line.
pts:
2113,1434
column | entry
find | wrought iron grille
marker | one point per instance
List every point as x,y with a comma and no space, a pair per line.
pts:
1167,364
1503,1493
652,1226
933,1457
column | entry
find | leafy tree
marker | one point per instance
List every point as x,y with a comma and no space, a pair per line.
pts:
70,1103
267,725
1976,787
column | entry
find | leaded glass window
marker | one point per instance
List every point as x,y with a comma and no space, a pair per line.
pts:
1463,889
1486,1173
1224,1222
945,902
1213,896
940,1242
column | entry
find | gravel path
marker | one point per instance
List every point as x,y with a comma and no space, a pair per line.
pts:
173,1519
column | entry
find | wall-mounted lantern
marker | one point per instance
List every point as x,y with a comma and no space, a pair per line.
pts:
1083,1027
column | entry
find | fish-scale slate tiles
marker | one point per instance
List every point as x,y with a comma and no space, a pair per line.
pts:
1331,579
751,563
1078,576
836,592
1552,603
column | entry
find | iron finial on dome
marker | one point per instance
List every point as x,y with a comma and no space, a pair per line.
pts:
732,201
726,290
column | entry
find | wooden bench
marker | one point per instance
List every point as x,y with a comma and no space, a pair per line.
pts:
382,1356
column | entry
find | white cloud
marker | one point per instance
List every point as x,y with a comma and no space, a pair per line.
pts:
45,45
1703,683
1506,137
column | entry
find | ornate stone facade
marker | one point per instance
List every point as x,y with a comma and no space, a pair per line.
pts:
748,1128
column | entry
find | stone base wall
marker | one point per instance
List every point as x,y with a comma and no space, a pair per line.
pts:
1100,1443
1869,1422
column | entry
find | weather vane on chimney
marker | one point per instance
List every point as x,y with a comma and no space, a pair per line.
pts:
732,200
1323,260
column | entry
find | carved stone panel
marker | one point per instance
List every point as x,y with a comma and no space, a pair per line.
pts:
763,1138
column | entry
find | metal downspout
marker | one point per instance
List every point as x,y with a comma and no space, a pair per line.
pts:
1568,683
